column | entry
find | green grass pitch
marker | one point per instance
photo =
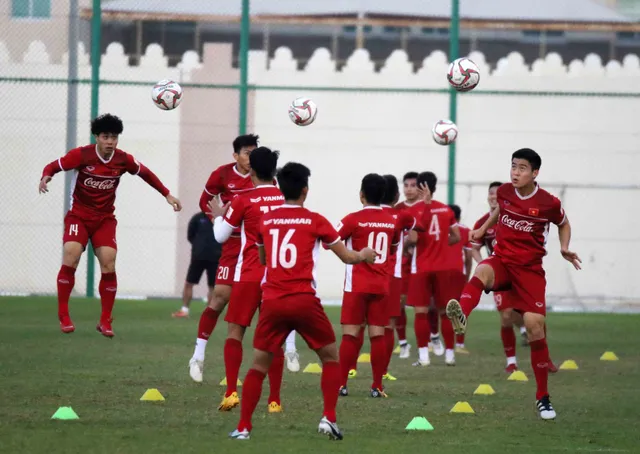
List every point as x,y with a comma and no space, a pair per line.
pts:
41,369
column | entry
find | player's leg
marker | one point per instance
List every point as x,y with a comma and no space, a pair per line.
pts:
389,340
291,354
351,318
518,322
353,367
74,241
393,309
194,274
232,354
420,298
446,287
435,342
507,316
378,357
401,329
103,239
460,348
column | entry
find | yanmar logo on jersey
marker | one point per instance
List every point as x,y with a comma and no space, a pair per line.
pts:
103,184
294,221
521,226
377,225
267,198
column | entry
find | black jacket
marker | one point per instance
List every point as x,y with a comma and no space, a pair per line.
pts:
203,244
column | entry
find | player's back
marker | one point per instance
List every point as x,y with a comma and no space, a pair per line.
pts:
375,228
455,253
245,213
291,237
433,243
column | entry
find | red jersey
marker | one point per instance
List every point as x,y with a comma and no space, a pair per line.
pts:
456,256
404,222
375,228
291,236
244,214
489,238
415,209
432,246
96,179
523,224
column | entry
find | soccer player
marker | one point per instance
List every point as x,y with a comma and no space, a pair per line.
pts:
432,276
205,253
523,216
462,261
222,185
98,169
289,240
366,285
244,214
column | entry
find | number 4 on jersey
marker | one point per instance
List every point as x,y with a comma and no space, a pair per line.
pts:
434,228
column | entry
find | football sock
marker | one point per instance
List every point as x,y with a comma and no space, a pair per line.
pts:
232,363
460,340
207,323
359,344
378,360
432,315
107,288
421,327
389,339
251,391
401,327
330,384
348,356
447,332
275,376
66,281
291,342
471,295
508,341
540,365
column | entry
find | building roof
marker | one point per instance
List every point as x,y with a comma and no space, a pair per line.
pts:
500,10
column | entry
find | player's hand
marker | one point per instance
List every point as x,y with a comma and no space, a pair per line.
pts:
174,202
477,235
215,210
42,188
424,193
368,255
571,257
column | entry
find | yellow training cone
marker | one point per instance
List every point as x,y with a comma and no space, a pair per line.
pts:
364,358
569,365
484,390
152,395
608,356
397,350
224,382
313,368
518,375
462,407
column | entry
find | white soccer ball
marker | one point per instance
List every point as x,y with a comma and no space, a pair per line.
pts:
303,111
444,132
166,94
463,74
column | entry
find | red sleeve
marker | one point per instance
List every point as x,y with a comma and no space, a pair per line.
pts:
325,231
452,217
72,160
397,235
235,213
408,222
557,214
345,227
137,168
211,188
464,238
259,239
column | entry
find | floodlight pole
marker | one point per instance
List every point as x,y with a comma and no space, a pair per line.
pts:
454,51
245,28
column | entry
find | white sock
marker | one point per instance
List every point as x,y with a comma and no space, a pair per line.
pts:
523,329
185,309
201,345
402,342
423,354
449,354
460,345
291,342
511,360
435,337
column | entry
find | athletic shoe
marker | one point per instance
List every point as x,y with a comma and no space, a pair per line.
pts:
104,328
66,325
292,361
389,377
275,407
377,393
196,369
511,368
457,317
421,363
450,358
404,351
229,402
344,392
552,367
180,314
329,428
462,350
545,409
438,348
353,373
240,434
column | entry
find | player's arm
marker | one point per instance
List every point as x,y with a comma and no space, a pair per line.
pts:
262,255
71,161
192,229
477,235
454,234
137,168
468,261
331,239
559,218
350,257
226,218
475,252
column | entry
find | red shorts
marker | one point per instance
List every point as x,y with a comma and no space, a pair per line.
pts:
358,308
228,261
439,285
394,307
243,303
502,300
526,285
301,313
101,231
406,278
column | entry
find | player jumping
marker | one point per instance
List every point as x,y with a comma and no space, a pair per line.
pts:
98,169
289,240
523,215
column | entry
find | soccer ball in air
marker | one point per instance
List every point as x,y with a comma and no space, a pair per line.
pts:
303,111
463,74
166,94
444,132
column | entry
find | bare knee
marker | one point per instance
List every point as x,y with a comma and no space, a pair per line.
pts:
219,297
328,353
351,330
107,259
375,331
506,318
262,361
72,252
235,332
535,326
486,275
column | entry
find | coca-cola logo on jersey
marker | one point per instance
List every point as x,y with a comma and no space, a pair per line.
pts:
521,226
103,184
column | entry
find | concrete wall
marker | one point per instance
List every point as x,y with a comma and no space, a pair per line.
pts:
585,141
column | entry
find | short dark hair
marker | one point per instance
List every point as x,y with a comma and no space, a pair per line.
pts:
372,187
430,179
292,179
107,124
494,184
410,176
391,191
457,211
528,155
247,140
264,162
